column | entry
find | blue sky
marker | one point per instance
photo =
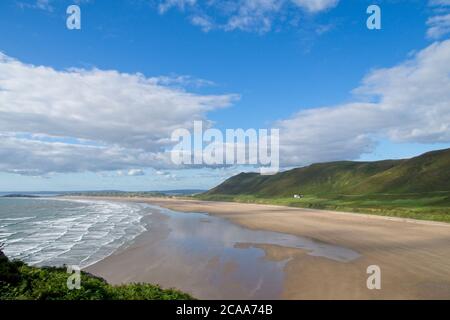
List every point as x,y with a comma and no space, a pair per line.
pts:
250,64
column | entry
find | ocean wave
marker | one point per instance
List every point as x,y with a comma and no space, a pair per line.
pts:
17,219
70,232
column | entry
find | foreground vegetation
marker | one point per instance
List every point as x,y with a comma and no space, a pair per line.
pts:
416,188
19,281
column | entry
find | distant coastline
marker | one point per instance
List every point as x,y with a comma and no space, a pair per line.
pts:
19,195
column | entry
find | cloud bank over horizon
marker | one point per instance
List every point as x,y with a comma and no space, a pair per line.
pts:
94,120
412,104
91,120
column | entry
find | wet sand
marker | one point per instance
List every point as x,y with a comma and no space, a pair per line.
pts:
414,256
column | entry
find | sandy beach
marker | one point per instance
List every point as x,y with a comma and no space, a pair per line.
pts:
414,256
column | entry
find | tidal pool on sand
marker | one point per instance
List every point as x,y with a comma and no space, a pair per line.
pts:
209,257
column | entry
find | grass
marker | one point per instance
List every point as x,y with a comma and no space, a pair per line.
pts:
417,188
19,281
433,207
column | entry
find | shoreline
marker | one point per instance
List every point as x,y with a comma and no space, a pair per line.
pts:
151,258
413,254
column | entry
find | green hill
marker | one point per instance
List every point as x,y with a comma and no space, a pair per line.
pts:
394,187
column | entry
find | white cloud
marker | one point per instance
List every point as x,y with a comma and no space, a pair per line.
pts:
94,120
79,120
439,24
165,5
203,22
254,15
167,175
129,110
36,157
245,15
412,105
125,119
131,172
44,5
316,5
183,81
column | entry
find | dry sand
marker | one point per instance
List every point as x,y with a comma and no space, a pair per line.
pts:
414,256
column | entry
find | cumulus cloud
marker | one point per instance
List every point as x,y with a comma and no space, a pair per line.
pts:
245,15
91,120
408,103
38,157
129,110
95,120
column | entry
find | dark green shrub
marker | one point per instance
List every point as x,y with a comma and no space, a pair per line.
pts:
19,281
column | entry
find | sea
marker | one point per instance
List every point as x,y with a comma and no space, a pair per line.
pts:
53,231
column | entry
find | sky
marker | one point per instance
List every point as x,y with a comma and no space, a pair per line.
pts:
94,108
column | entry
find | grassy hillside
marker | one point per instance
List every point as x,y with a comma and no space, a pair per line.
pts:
418,187
19,281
